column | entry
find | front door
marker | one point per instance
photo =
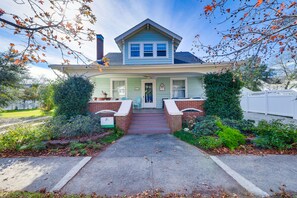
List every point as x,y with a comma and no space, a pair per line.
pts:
148,93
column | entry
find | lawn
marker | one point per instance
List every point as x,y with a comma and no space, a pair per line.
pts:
24,113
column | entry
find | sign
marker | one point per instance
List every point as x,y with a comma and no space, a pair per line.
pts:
107,122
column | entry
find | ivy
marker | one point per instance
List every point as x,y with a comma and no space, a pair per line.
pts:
223,95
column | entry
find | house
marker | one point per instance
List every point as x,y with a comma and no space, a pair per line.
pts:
148,70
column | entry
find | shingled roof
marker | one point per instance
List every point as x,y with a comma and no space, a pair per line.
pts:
116,58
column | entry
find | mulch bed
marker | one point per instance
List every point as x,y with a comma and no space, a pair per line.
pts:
250,149
60,148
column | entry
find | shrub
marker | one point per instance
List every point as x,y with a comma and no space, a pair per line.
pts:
71,97
206,126
24,137
79,125
244,126
275,135
223,95
209,142
230,137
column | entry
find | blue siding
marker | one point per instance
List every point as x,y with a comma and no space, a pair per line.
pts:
148,36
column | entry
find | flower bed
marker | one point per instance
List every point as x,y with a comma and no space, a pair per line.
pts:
225,136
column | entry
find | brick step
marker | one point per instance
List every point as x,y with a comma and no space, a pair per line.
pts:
150,127
148,114
148,131
157,121
148,118
148,124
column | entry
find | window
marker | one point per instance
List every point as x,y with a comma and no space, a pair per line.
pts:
118,88
161,49
148,50
179,88
135,50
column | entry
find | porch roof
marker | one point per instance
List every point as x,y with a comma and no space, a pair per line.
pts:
93,70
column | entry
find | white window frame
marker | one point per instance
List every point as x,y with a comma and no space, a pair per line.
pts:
186,86
140,50
118,79
154,50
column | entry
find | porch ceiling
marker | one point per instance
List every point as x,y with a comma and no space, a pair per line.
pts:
156,70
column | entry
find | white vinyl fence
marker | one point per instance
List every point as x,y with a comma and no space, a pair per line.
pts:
17,105
283,102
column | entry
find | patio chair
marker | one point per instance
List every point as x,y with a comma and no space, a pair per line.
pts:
137,103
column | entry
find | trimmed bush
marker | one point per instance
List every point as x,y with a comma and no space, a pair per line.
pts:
71,96
276,135
223,95
209,142
230,137
79,125
206,126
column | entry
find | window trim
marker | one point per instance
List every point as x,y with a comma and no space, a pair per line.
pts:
118,79
154,50
186,86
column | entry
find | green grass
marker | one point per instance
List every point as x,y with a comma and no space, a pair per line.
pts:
117,134
187,137
28,113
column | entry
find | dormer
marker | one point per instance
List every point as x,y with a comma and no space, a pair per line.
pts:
148,43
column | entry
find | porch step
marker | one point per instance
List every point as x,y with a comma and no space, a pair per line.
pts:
148,123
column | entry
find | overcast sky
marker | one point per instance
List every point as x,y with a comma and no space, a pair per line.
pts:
117,16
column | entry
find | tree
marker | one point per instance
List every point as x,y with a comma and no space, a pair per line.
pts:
46,96
71,96
287,70
10,77
254,75
52,24
29,92
258,28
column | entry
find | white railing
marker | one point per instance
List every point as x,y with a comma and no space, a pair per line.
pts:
277,102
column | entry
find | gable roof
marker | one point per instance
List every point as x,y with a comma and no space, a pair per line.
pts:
143,25
116,58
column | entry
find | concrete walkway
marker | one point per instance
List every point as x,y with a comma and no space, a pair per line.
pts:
34,173
260,116
145,162
267,172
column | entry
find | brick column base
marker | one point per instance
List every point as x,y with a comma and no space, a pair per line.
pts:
174,121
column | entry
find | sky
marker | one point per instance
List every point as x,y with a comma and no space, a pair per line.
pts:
114,17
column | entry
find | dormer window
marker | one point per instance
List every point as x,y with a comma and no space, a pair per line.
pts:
148,50
161,49
135,50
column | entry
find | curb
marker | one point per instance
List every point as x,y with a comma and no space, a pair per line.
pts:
70,174
249,186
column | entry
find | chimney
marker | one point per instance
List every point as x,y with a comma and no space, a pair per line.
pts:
100,41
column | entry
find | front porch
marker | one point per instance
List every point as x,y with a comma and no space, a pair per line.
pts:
149,121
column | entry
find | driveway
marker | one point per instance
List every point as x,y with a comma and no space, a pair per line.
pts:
137,163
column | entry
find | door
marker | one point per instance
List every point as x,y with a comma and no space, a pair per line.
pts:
148,93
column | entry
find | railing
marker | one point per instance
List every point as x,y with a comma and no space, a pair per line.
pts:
276,102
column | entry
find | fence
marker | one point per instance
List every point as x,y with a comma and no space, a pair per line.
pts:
17,105
283,102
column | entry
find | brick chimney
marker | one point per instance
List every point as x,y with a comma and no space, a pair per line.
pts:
100,41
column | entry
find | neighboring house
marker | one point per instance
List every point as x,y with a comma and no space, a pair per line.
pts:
148,68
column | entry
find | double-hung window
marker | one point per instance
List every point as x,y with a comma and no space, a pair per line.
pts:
161,50
118,88
135,50
178,88
148,50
